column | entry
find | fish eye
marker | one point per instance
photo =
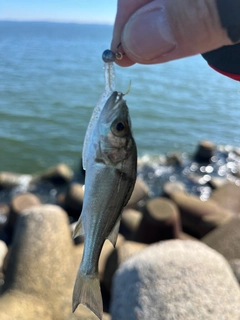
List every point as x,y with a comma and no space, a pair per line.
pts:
120,128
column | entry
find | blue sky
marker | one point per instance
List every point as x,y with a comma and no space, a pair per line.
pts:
85,11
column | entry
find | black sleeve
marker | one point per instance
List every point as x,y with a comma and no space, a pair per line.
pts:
229,13
227,59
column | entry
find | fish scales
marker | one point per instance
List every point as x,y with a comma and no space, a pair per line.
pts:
109,182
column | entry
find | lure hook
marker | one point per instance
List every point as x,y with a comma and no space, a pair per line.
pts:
129,88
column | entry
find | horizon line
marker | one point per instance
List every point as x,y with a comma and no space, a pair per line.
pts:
58,21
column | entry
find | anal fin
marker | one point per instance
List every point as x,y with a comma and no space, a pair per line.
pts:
78,229
114,233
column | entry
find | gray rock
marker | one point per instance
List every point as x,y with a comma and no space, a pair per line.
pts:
171,187
235,265
226,239
140,192
174,159
61,173
3,253
182,280
160,221
131,220
122,252
19,203
199,217
41,268
106,252
204,151
74,200
228,197
217,182
11,179
4,215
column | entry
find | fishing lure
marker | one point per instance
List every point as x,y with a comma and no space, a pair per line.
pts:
108,57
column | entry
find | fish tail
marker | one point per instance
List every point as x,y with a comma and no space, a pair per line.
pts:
87,291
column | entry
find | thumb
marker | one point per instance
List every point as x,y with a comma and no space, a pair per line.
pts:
164,30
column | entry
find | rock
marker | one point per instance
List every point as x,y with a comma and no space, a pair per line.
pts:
217,182
130,222
199,179
10,179
226,239
61,173
60,199
205,151
117,257
160,221
74,200
140,192
4,215
78,239
42,267
170,187
174,159
105,253
235,265
199,217
3,253
175,279
19,203
185,236
228,197
106,316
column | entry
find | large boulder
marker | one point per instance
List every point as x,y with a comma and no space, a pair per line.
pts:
199,217
74,199
61,173
226,239
11,179
140,192
41,268
235,265
3,253
205,151
122,252
130,222
228,196
19,203
160,221
175,279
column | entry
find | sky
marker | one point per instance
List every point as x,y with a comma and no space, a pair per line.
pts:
81,11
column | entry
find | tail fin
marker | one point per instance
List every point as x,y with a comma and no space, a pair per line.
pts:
87,291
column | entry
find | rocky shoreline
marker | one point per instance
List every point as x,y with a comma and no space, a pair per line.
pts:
177,254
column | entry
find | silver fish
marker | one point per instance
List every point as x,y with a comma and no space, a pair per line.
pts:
109,182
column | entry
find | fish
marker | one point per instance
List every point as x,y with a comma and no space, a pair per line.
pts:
109,182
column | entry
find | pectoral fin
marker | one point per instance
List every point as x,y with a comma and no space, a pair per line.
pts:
78,229
114,233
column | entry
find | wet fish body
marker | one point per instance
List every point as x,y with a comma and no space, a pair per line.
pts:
109,182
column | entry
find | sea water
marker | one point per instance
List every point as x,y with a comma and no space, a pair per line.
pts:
51,76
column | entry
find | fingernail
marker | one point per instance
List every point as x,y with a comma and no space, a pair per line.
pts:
147,35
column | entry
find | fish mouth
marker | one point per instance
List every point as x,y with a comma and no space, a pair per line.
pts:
115,104
115,99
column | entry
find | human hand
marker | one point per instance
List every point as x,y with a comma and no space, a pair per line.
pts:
156,31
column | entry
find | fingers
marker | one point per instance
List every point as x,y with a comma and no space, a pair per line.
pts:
126,9
163,30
